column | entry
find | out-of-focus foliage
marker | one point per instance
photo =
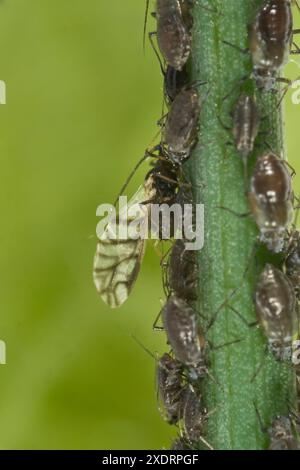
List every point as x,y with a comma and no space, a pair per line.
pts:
82,104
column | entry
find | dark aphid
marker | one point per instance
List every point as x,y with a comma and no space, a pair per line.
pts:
174,82
169,387
246,120
270,37
277,311
282,434
173,35
270,198
184,334
180,444
183,272
292,262
117,260
179,133
193,417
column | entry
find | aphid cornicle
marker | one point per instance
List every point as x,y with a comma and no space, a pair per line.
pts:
169,387
184,335
179,132
246,119
270,197
270,37
282,436
117,260
277,311
173,35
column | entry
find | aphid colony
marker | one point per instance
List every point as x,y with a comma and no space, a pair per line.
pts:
272,204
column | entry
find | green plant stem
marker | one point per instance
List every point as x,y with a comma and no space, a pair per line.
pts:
217,175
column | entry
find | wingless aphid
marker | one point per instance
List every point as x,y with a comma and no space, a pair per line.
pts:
184,334
246,120
271,38
169,380
282,434
179,133
183,272
277,311
117,260
193,417
173,35
292,262
270,197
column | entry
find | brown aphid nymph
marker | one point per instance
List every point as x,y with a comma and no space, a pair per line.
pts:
173,35
183,272
292,263
169,387
193,418
282,436
270,198
179,133
270,37
277,311
184,334
246,120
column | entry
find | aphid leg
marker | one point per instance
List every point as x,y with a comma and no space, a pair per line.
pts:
151,34
226,128
237,214
238,48
290,167
262,427
288,83
154,326
249,324
259,368
160,122
204,441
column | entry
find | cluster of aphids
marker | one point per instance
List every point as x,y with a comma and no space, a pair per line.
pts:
117,261
273,204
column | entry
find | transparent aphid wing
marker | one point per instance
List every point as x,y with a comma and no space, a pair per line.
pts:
120,251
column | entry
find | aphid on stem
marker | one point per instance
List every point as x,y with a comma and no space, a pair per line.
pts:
277,311
117,260
282,432
271,200
173,34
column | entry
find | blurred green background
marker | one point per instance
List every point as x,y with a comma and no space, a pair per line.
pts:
82,105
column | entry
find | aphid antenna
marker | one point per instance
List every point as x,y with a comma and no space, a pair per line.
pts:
145,349
148,154
145,25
